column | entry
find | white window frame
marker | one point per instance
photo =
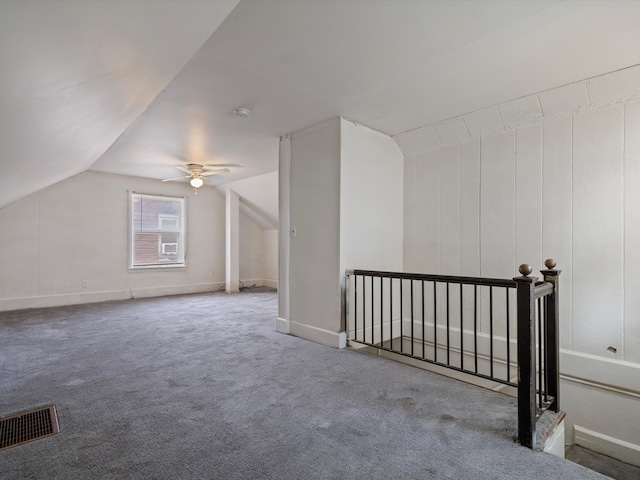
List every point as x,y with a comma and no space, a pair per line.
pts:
182,222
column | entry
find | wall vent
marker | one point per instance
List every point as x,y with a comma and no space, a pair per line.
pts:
28,426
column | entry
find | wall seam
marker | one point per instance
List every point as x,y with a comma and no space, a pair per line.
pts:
571,341
39,203
541,164
414,220
515,199
458,213
440,218
624,229
480,207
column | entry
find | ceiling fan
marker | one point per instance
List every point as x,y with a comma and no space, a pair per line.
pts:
197,173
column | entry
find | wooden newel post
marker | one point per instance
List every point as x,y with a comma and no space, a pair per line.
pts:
526,356
551,329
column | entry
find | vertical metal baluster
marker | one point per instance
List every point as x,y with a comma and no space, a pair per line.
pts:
475,326
423,338
461,330
435,322
401,316
391,313
506,289
381,311
348,291
364,308
539,338
491,331
373,339
412,339
448,362
546,346
355,307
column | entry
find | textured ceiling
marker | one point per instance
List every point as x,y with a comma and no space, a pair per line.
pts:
136,88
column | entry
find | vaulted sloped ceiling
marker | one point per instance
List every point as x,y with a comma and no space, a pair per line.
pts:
74,75
137,88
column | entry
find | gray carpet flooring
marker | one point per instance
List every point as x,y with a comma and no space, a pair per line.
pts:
202,387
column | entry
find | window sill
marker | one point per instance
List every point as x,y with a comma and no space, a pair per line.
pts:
146,268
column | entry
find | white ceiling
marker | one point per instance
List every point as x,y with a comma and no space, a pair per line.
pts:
137,87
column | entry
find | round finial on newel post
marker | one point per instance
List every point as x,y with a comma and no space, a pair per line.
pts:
525,269
550,263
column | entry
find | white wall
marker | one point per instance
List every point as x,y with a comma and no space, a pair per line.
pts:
341,190
77,230
314,274
251,252
552,175
371,185
270,255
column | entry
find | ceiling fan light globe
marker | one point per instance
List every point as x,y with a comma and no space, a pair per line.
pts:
196,182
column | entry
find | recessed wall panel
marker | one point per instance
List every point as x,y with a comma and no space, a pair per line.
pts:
529,196
598,231
557,208
409,214
450,206
632,233
497,206
427,213
470,208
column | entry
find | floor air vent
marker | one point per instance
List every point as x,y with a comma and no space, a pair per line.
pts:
28,426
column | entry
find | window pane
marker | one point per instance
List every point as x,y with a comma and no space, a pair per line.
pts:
158,236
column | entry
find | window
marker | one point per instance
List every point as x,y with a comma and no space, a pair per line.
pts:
157,231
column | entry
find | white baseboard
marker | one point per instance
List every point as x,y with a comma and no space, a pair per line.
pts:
598,442
267,282
259,282
318,335
601,372
174,290
251,282
43,301
283,325
59,300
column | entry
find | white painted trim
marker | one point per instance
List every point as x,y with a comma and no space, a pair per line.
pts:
608,374
318,335
251,282
175,290
555,443
283,325
599,372
284,214
232,241
43,301
267,282
598,442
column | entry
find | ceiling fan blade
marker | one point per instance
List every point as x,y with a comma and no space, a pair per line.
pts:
221,165
176,178
215,172
184,169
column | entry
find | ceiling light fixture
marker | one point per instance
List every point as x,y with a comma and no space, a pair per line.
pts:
241,112
196,183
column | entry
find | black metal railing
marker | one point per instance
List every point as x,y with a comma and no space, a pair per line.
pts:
502,330
538,348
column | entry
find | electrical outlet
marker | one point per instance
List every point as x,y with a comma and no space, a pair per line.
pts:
85,283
